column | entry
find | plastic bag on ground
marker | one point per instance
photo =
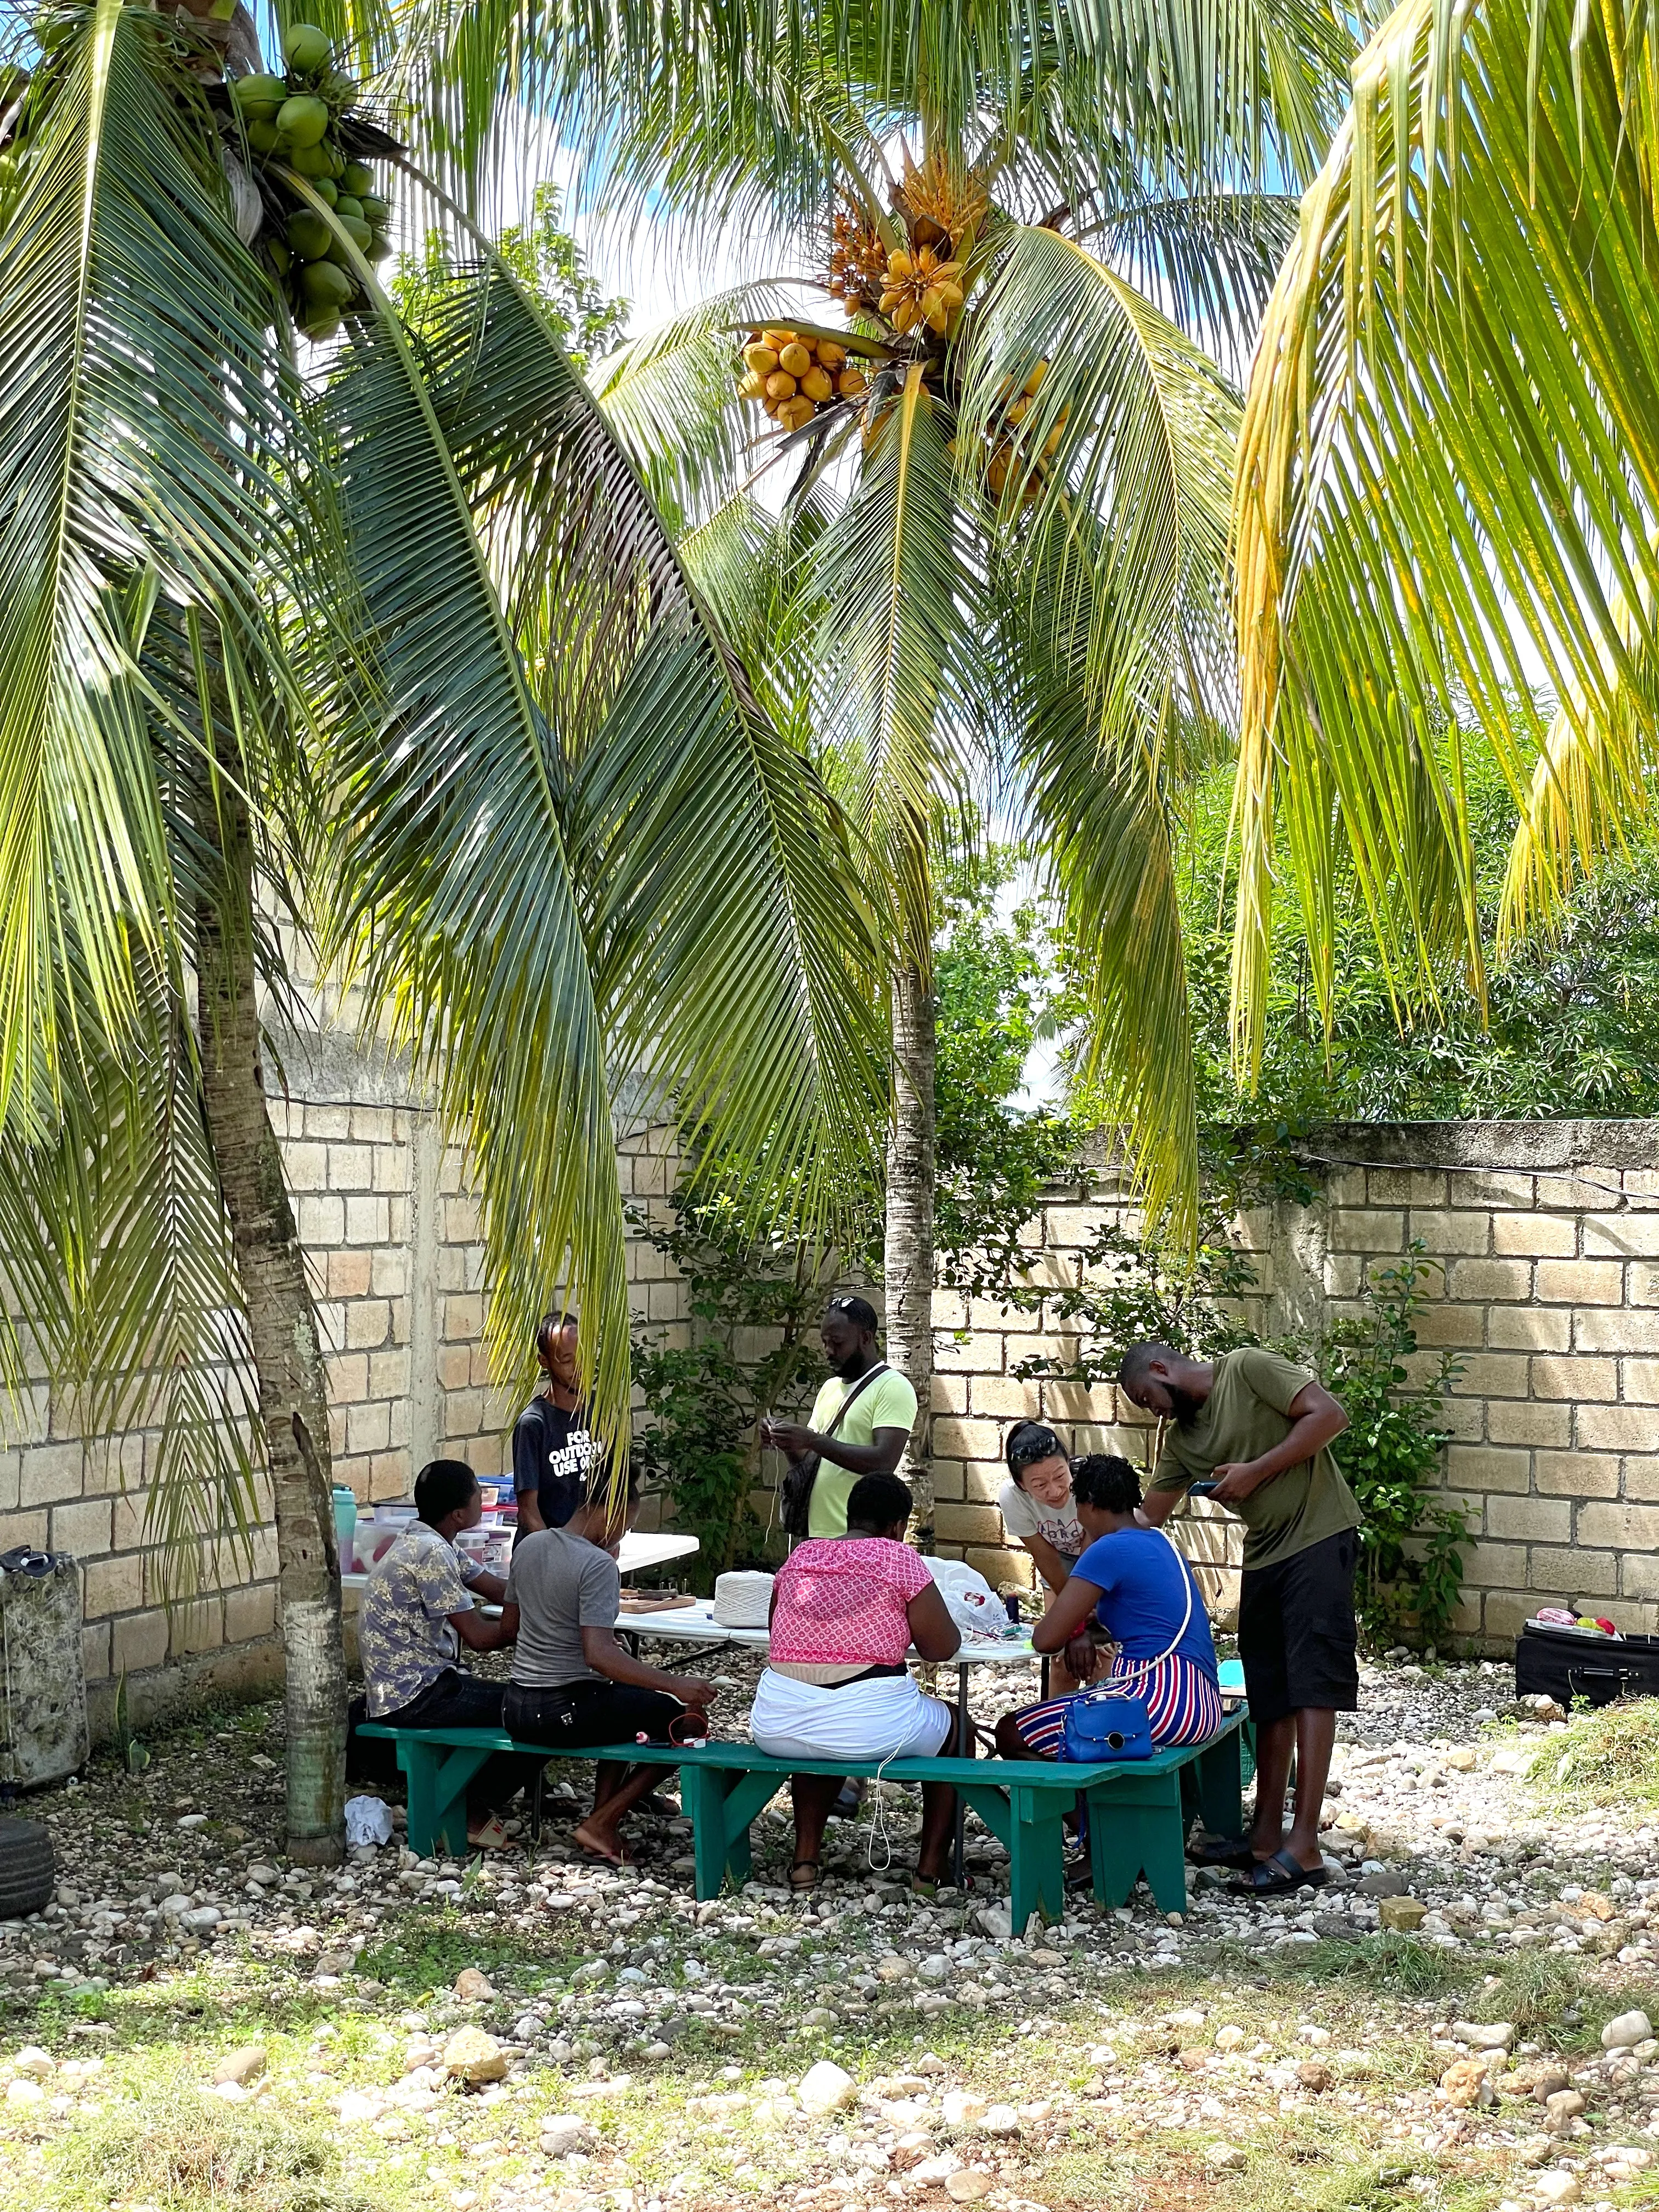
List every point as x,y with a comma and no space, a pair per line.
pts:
367,1820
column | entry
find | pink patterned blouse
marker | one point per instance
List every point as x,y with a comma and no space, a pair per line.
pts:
841,1601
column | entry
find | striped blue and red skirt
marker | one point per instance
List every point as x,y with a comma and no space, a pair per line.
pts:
1182,1699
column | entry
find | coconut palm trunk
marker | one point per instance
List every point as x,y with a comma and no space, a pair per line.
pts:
286,1345
908,1257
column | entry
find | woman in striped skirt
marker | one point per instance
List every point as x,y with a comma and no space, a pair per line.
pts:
1133,1588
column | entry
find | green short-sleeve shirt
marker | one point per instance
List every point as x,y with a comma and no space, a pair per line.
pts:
889,1402
1246,1413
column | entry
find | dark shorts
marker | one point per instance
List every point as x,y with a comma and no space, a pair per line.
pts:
1297,1634
573,1715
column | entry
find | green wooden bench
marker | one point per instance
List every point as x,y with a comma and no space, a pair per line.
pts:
1138,1810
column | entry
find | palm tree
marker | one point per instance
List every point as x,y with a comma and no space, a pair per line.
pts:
1448,488
383,648
1010,453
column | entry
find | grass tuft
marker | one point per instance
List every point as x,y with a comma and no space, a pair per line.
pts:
1389,1961
1609,1756
189,2151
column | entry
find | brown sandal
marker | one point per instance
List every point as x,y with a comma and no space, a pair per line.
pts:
813,1872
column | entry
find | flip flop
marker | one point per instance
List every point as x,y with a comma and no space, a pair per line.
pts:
813,1872
1279,1876
1232,1852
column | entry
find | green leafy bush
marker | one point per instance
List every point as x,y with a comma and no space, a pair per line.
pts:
754,1307
1411,1571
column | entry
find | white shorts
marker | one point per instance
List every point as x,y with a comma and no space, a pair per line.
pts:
886,1717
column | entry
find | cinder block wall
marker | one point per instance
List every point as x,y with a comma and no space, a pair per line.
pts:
391,1233
1544,1238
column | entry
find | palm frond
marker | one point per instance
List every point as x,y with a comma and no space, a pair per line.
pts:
671,396
1210,258
1451,444
1128,507
138,414
741,106
900,643
458,911
1096,797
751,568
1591,794
163,1340
733,961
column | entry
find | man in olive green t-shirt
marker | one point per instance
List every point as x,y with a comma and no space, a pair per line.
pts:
1256,1430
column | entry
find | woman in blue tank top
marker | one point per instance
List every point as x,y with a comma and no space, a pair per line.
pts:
1131,1588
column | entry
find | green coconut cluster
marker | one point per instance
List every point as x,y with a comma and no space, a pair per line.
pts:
292,121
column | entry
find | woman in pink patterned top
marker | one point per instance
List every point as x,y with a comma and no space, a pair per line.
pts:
846,1610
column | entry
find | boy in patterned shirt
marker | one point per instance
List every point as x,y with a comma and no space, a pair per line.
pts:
417,1611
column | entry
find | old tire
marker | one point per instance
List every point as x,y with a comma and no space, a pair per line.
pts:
28,1872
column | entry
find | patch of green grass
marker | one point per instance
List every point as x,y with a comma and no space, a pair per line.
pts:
1390,1962
428,1947
1609,1756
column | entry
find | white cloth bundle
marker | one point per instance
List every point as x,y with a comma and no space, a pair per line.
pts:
742,1600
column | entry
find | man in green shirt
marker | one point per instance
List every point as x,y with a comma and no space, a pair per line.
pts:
869,1437
1254,1430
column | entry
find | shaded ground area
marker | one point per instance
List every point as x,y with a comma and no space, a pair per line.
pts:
620,2045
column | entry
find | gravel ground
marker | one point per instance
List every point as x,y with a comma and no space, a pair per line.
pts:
594,1982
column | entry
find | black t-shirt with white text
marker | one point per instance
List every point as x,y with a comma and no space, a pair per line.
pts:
552,1453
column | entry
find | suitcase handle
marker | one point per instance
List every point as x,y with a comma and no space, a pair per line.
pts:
1618,1676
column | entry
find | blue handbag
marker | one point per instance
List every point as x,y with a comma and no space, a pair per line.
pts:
1100,1725
1108,1723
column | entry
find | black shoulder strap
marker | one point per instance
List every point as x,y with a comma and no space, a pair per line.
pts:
858,1389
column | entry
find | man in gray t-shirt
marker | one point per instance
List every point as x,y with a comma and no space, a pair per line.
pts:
574,1685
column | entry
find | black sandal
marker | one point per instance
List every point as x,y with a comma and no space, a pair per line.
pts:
1279,1876
1232,1852
813,1872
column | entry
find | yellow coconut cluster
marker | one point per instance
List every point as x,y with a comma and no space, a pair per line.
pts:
793,373
921,288
1008,458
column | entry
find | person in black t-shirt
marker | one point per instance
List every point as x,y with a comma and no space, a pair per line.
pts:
552,1446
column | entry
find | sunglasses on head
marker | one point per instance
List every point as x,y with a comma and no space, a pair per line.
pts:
1035,1444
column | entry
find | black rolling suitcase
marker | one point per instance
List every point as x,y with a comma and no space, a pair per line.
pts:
1568,1664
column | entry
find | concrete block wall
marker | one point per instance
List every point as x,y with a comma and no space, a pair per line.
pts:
1544,1244
393,1241
979,1394
1546,1240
